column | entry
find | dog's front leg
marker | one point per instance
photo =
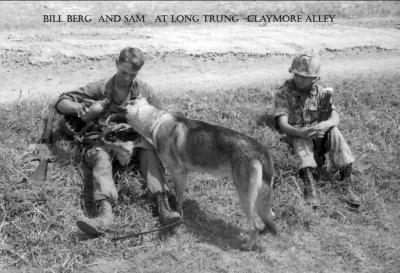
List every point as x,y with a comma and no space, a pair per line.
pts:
179,177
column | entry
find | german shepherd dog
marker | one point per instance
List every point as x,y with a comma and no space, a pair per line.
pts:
185,145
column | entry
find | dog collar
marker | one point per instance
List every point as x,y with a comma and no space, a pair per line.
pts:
154,128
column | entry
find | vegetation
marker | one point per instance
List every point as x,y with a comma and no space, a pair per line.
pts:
41,235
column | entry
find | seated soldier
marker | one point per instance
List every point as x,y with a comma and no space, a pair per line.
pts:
106,98
298,110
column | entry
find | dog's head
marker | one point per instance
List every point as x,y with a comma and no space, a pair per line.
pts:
134,107
140,114
139,101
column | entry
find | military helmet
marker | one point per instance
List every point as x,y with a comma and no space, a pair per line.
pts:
118,138
116,118
71,125
306,65
118,130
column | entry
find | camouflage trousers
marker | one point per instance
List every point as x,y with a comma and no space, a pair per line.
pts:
103,184
335,145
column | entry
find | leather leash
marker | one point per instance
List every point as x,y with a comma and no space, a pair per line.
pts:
136,234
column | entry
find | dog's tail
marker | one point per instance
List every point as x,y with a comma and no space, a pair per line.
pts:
264,199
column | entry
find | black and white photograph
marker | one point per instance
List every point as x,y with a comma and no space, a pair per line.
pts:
200,136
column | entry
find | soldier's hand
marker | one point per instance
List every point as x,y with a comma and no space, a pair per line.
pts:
81,109
318,130
305,131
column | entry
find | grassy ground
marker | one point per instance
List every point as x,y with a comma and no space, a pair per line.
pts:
41,236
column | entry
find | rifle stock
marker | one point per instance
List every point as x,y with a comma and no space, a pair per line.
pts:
40,174
43,150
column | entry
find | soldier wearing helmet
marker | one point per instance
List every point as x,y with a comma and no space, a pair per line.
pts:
87,112
299,107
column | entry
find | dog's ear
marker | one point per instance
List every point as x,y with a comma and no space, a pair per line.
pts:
140,96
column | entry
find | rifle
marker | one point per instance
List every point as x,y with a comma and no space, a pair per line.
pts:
325,113
42,151
326,105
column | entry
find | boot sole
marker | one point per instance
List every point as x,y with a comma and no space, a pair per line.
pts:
87,228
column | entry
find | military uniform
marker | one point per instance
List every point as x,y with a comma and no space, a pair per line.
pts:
100,156
304,108
304,111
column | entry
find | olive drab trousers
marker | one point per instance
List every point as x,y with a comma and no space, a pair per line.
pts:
103,184
337,148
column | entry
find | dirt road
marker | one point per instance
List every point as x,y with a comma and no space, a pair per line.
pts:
181,58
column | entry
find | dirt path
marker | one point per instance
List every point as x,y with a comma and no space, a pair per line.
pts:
199,58
201,76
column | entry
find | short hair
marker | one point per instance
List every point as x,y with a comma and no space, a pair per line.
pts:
132,55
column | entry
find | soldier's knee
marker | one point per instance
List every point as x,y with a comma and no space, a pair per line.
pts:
334,130
97,156
101,154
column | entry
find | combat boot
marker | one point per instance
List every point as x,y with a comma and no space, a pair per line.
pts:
166,215
346,187
97,225
310,190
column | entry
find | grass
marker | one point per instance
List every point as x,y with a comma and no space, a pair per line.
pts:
42,236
